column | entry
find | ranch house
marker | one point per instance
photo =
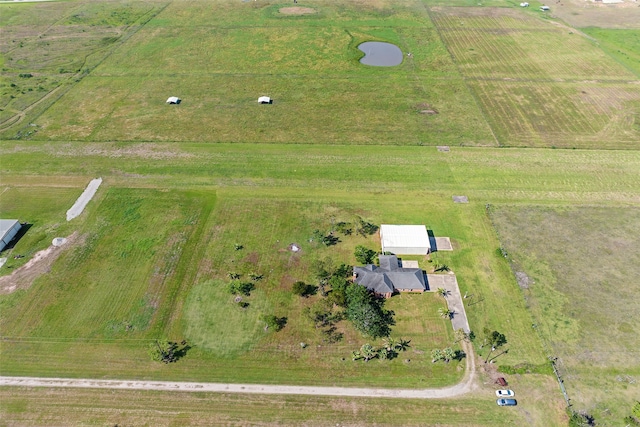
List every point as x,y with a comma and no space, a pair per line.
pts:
389,277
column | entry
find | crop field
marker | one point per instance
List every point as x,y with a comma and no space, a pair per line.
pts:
540,83
583,296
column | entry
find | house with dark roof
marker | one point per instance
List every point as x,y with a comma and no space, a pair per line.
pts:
389,277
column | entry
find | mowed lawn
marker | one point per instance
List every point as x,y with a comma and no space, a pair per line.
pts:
119,278
578,270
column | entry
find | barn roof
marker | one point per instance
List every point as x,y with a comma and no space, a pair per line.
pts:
405,236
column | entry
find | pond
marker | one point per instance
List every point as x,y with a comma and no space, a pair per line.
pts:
380,54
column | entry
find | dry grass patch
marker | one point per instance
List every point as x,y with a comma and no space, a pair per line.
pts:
297,10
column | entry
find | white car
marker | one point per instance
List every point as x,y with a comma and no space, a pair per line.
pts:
505,393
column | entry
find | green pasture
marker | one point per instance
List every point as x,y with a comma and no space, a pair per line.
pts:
577,268
48,47
477,76
623,45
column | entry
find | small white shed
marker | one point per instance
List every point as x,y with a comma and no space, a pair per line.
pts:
545,8
174,100
405,239
8,230
264,100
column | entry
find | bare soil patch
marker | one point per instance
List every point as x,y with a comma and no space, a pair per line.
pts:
296,10
40,264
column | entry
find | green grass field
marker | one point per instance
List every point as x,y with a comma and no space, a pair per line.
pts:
582,295
83,93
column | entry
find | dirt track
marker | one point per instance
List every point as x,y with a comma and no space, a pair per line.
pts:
466,385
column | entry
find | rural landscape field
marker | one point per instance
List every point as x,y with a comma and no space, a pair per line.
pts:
229,227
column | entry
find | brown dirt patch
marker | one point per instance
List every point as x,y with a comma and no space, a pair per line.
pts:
296,10
40,264
252,258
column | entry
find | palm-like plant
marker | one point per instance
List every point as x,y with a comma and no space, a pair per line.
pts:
402,344
449,354
445,313
368,352
436,355
390,343
443,292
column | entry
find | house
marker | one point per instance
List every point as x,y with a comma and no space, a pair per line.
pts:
405,239
174,100
8,230
265,100
389,277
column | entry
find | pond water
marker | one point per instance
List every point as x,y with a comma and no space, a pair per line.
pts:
380,54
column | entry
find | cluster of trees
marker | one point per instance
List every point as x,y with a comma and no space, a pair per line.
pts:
343,299
167,351
359,225
446,354
238,287
389,350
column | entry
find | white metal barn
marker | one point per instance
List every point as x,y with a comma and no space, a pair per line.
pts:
405,239
8,230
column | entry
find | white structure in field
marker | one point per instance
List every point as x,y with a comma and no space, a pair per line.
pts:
173,100
84,199
8,230
405,239
264,100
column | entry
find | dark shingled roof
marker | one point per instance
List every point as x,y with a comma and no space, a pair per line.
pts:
389,276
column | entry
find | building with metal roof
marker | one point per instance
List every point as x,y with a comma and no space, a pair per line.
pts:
405,239
8,230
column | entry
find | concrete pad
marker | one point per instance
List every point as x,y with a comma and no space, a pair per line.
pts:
460,199
443,148
2,261
443,244
454,299
410,264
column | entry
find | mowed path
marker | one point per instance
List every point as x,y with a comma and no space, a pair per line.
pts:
466,385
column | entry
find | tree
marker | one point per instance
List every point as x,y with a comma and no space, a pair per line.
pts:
274,322
364,255
255,276
368,352
449,354
436,355
443,292
402,344
233,275
445,313
304,290
496,340
244,288
365,228
167,351
461,335
366,313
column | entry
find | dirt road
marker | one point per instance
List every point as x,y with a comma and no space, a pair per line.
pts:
466,385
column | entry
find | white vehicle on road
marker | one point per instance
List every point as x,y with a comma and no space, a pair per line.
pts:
505,393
